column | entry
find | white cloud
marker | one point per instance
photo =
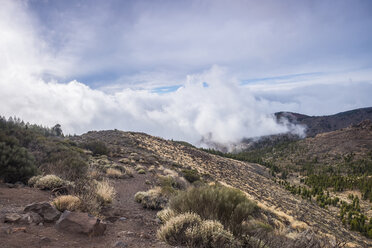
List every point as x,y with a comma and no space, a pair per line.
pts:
223,112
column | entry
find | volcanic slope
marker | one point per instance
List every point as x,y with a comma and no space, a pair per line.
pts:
295,214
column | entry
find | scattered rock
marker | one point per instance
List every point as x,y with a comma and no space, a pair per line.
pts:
78,222
45,240
45,210
12,217
120,244
31,218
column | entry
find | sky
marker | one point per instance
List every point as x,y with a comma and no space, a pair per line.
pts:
185,70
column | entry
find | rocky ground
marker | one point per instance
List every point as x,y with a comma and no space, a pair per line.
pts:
128,224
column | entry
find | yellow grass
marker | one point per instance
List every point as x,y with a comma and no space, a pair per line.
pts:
105,192
113,173
67,202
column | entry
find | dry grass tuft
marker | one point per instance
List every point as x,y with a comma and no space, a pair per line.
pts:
113,173
105,192
67,202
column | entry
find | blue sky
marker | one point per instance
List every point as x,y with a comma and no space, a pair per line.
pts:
312,57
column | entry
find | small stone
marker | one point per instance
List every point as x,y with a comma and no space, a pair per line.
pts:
120,244
122,218
45,240
12,217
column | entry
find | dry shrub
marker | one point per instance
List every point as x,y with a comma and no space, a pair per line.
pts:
188,229
67,202
129,171
32,181
139,167
105,192
210,233
173,231
113,173
51,182
165,215
152,199
94,174
152,168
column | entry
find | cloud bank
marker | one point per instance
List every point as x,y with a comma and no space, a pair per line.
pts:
204,101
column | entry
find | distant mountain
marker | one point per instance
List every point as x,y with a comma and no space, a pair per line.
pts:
321,124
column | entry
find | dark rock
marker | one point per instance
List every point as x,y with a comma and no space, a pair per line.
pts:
45,210
120,244
10,185
19,185
12,217
31,218
45,240
77,222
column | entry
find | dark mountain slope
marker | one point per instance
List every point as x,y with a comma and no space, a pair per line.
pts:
321,124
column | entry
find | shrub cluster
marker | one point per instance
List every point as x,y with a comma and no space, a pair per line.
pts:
96,147
227,205
190,230
152,199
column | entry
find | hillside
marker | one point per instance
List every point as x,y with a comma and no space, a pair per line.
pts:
130,162
322,124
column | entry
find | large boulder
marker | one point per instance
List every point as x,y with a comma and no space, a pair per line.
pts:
45,210
78,222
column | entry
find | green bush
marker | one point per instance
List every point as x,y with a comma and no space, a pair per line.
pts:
229,206
16,164
97,147
191,175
